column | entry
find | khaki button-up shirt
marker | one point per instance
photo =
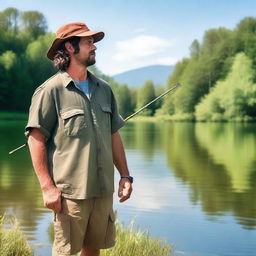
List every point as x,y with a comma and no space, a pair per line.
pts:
78,129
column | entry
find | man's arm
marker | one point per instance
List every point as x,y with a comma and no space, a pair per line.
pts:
51,195
125,187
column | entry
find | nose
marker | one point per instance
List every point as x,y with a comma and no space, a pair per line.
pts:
94,47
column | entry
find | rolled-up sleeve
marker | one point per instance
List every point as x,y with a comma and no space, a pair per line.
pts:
42,113
117,121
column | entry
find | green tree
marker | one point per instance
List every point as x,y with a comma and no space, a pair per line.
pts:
146,94
233,98
9,19
209,62
124,100
40,68
168,103
246,38
34,23
8,59
195,49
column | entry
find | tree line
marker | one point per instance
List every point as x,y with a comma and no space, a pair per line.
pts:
218,79
24,66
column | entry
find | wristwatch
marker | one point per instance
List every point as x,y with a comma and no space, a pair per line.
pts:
130,178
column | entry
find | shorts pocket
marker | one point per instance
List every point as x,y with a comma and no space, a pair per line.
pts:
62,233
74,121
111,231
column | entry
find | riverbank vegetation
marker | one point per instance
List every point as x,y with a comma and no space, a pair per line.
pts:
12,241
129,242
218,78
132,241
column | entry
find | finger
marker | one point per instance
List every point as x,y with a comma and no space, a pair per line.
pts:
120,191
58,205
124,198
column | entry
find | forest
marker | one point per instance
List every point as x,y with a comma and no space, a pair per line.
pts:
218,78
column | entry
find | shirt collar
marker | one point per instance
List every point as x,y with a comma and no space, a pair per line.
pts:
67,79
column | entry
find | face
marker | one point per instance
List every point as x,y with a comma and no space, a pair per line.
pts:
86,55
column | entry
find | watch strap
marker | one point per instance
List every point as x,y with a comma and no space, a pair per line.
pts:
130,178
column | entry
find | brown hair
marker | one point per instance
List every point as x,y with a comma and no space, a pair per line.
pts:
61,59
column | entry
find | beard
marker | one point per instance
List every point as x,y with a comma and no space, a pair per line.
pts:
90,61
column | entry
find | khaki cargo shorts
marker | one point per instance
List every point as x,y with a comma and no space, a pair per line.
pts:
85,223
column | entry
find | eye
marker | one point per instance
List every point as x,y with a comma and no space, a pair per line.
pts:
89,42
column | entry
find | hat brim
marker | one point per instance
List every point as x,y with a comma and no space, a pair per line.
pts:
97,36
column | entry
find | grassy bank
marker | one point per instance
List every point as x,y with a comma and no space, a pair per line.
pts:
12,241
129,242
13,116
132,242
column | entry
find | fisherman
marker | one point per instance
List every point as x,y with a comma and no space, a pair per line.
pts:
74,144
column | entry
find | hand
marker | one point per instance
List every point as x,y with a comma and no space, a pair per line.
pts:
124,190
52,198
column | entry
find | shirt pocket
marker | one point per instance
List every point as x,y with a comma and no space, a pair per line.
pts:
106,113
73,121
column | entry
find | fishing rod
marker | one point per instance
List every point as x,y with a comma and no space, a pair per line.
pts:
176,85
157,98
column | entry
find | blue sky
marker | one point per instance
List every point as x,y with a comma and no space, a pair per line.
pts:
139,32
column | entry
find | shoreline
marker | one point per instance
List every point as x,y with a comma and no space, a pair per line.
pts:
13,116
20,116
154,119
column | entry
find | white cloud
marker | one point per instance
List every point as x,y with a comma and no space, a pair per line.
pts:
166,61
140,46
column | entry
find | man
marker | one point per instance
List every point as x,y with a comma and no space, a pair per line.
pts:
74,141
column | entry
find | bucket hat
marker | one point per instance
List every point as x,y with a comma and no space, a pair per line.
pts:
69,30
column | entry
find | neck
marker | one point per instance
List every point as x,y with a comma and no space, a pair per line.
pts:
77,72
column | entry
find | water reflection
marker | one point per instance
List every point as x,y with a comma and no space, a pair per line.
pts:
19,191
217,161
234,147
212,163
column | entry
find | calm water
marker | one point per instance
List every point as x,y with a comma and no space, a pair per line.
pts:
194,186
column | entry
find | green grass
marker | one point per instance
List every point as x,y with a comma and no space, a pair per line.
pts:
13,116
12,241
131,241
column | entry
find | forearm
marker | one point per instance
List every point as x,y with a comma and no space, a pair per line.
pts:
119,157
38,154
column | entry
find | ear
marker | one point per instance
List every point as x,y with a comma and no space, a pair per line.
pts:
69,47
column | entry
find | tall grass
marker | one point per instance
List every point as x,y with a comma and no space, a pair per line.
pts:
12,241
132,241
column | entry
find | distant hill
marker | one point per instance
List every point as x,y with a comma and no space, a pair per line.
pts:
137,77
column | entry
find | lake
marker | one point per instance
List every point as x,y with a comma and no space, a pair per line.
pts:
195,186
